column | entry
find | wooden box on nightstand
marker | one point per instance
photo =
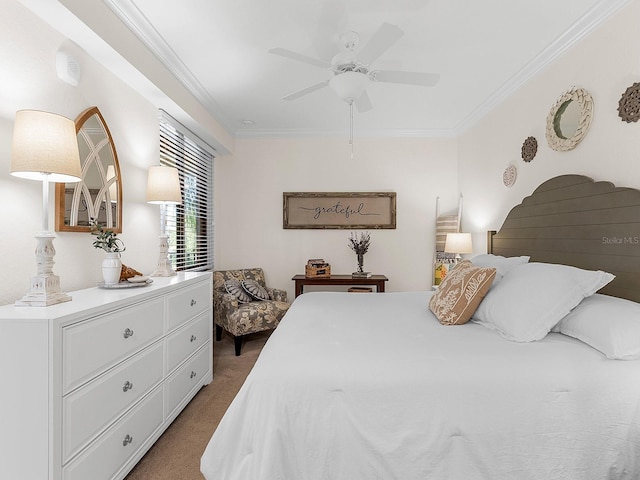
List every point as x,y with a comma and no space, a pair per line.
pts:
317,268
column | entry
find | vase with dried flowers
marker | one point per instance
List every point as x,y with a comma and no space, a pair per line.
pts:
360,246
108,241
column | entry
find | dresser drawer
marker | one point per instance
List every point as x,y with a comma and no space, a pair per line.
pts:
92,346
186,378
90,409
187,340
187,303
112,450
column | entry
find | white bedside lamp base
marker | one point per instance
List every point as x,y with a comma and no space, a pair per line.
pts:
164,268
45,285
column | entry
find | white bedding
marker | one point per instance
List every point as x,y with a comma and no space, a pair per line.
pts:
371,386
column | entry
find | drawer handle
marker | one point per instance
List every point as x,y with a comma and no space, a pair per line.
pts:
127,440
193,374
193,302
127,333
127,386
193,338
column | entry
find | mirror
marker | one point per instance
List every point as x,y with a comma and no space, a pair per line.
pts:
99,194
566,119
569,119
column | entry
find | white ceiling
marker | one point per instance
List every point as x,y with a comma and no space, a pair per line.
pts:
483,50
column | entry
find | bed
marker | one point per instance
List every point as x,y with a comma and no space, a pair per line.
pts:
375,387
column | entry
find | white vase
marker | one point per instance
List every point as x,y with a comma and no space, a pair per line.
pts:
111,267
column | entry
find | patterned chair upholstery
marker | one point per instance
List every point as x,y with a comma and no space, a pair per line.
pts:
240,319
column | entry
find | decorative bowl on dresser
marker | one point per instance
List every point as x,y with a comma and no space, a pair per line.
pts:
89,385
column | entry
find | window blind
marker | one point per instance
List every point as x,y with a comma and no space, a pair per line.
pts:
190,225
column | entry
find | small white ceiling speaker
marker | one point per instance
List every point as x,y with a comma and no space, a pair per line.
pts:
67,68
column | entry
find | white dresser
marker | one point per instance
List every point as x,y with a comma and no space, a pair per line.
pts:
87,386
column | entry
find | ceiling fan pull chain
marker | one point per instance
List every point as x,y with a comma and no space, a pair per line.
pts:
351,122
351,127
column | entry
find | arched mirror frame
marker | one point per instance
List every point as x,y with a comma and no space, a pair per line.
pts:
557,141
81,187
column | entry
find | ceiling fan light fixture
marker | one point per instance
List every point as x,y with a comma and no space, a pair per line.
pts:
349,86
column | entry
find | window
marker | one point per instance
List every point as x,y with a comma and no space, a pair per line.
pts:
190,225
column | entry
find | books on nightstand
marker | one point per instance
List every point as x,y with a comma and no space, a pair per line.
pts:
361,274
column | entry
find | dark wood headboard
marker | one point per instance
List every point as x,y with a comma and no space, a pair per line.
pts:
573,220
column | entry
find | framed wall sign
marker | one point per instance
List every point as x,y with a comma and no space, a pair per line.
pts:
339,210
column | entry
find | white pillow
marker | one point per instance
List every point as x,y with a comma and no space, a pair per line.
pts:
526,304
608,324
500,263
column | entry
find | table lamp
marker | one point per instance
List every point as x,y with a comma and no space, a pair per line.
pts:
163,188
458,243
44,148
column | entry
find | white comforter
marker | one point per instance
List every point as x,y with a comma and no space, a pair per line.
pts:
371,386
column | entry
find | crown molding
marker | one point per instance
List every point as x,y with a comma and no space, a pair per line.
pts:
591,20
135,20
313,133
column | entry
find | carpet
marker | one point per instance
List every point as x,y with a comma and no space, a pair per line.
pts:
176,454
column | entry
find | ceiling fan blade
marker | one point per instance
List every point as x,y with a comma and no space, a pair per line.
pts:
332,18
363,103
283,52
408,78
305,91
384,37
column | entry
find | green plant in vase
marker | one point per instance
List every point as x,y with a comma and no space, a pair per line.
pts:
108,241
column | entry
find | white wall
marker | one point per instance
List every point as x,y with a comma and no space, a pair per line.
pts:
250,181
249,184
248,204
605,63
28,81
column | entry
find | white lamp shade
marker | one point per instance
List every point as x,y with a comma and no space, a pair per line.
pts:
45,143
458,243
163,185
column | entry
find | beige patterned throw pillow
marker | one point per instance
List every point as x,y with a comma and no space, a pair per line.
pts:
461,292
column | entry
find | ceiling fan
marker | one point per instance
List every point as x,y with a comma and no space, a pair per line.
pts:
351,68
